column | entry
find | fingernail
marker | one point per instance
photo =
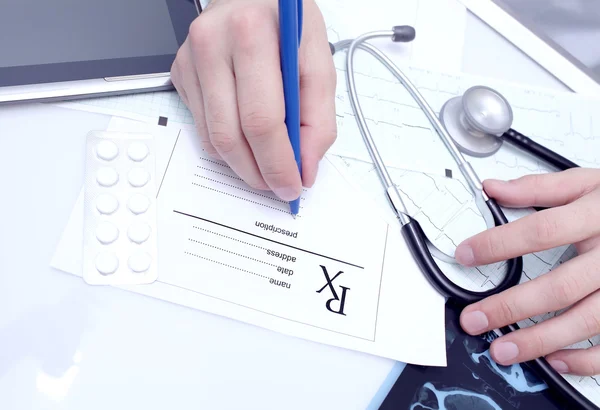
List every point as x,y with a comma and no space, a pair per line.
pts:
559,366
287,193
475,322
464,255
505,352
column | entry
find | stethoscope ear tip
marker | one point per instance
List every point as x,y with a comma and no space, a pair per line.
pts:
403,34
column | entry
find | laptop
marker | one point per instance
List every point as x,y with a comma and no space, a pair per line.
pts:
560,35
64,49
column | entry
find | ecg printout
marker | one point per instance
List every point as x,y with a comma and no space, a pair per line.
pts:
443,205
403,132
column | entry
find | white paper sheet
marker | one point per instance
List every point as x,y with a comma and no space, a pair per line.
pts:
562,121
213,257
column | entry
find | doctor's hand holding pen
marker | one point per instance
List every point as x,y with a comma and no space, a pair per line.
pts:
228,73
572,217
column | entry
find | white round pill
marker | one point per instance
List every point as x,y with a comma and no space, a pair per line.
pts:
107,150
139,262
106,232
139,232
137,151
107,263
138,177
107,177
106,204
138,204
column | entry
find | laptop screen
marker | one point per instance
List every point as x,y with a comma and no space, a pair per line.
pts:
47,41
36,32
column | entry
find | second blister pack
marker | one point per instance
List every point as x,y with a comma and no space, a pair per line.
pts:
119,242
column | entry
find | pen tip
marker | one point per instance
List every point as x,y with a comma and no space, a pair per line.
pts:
294,216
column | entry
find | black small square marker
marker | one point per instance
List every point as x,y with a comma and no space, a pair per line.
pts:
448,173
163,121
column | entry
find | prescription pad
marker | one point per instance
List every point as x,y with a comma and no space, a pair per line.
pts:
338,274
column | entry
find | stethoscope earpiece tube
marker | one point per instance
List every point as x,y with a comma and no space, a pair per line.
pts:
538,150
528,145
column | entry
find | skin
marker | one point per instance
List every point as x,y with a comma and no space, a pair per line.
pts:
573,217
228,74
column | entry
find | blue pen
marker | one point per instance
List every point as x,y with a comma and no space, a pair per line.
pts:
290,34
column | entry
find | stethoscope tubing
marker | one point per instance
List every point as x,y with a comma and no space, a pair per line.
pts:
414,234
537,150
417,243
417,240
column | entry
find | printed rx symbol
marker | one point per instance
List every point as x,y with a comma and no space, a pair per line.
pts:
336,297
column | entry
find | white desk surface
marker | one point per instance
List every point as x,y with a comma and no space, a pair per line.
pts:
66,345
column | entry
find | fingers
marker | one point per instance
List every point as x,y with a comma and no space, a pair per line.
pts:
186,82
177,71
232,84
260,100
588,245
550,228
580,362
214,69
548,190
579,323
556,290
317,97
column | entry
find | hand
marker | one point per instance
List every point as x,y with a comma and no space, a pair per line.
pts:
228,74
573,217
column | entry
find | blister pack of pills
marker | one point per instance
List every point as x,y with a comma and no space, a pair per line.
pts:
119,242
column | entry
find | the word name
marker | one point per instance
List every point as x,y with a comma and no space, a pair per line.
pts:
279,283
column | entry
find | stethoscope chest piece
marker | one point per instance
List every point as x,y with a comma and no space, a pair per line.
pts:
476,120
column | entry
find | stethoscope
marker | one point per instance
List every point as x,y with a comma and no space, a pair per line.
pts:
477,124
